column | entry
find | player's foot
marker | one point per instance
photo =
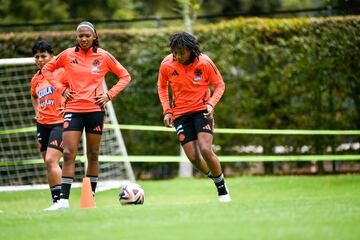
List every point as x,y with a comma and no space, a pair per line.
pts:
62,204
224,198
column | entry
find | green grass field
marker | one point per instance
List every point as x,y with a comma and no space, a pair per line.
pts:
289,207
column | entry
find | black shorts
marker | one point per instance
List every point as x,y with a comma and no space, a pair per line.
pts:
93,122
189,125
49,135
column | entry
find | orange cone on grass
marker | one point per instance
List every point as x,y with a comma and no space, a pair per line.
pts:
87,198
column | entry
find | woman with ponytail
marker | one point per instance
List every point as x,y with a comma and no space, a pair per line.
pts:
86,66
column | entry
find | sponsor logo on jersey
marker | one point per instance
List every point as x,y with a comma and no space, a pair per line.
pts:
95,70
47,102
46,91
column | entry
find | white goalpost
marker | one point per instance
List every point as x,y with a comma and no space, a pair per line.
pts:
20,159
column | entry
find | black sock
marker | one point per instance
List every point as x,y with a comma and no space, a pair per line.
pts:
66,187
93,181
55,192
220,184
209,175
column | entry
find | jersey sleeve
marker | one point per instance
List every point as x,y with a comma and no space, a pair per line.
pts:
49,69
217,81
33,86
163,89
121,73
61,76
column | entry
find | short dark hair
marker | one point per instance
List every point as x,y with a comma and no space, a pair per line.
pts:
42,46
185,40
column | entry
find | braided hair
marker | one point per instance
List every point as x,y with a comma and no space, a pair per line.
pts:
89,25
185,40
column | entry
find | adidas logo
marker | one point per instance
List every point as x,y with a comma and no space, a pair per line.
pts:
97,129
55,143
74,61
207,127
175,73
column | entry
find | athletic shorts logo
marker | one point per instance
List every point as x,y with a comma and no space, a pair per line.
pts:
67,117
207,127
55,143
66,124
181,137
97,129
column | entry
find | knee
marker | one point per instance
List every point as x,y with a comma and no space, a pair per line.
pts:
69,154
206,151
194,158
51,162
93,155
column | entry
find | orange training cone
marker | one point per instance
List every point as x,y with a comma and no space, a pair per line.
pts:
87,198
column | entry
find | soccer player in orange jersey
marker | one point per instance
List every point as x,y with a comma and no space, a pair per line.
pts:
190,73
47,104
86,65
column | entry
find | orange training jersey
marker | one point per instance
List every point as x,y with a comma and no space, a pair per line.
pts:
86,72
190,85
48,99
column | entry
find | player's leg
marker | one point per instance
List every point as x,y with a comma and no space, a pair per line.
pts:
205,127
43,136
187,137
73,127
92,153
192,152
52,158
94,124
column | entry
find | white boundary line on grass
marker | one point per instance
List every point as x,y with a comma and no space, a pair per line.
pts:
101,186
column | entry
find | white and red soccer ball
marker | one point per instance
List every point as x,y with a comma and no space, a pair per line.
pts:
131,193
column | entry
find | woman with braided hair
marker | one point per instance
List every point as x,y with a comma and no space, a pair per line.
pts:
190,73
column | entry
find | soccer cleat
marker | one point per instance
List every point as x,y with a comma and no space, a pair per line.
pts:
62,204
224,198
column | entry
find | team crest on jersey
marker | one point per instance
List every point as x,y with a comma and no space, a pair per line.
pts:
96,62
198,72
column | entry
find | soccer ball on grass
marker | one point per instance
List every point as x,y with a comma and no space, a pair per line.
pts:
131,193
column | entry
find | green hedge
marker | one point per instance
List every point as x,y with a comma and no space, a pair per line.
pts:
280,74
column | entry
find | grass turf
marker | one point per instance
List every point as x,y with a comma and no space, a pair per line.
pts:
288,207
